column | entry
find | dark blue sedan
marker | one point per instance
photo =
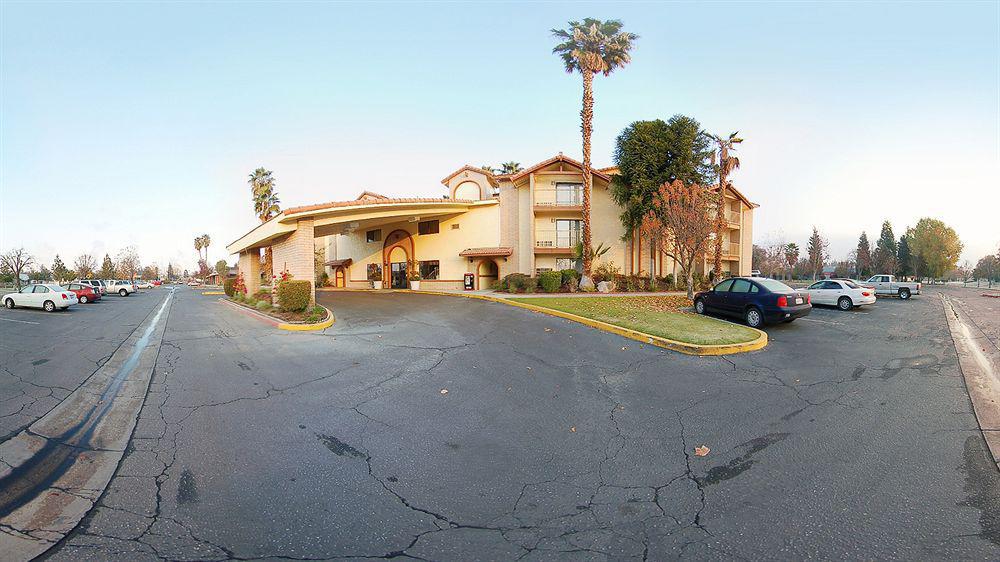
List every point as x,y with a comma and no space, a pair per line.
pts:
756,300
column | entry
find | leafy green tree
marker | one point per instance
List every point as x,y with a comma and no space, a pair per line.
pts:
107,268
988,268
60,271
817,252
590,47
171,274
904,259
222,268
791,254
936,246
885,256
864,257
43,274
488,169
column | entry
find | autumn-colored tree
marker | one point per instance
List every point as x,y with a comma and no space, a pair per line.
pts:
791,254
84,266
727,164
17,262
864,257
683,215
817,252
988,268
590,47
127,263
936,246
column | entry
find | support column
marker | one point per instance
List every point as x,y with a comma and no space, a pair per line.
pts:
295,254
249,266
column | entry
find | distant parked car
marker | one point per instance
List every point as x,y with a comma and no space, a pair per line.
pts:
192,283
143,284
889,285
97,284
123,288
48,297
156,282
757,300
755,273
85,293
842,293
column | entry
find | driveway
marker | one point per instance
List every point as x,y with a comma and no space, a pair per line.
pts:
454,429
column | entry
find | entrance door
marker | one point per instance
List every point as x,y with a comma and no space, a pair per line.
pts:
339,278
397,275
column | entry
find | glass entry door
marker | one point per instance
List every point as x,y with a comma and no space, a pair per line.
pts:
397,272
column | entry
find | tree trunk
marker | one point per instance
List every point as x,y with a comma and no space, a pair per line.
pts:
690,281
587,118
720,225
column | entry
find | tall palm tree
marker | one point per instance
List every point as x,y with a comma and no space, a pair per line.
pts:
265,204
198,245
510,167
727,164
488,169
589,47
206,241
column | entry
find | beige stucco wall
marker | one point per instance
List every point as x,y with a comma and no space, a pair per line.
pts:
479,179
295,253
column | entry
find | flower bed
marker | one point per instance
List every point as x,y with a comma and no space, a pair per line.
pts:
311,315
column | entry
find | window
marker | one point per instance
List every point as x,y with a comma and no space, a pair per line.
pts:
373,235
428,227
851,284
41,289
28,289
430,269
775,286
831,285
816,285
567,233
569,193
724,286
740,286
539,270
754,289
454,226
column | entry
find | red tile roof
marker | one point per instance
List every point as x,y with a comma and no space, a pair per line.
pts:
364,202
485,252
470,168
553,160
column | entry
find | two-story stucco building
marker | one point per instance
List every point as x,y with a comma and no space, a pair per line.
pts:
487,225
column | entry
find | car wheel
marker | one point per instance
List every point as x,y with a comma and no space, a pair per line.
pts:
84,299
9,303
845,303
699,306
904,293
123,292
754,318
49,306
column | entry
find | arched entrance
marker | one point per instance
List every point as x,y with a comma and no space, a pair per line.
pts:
487,274
340,277
397,252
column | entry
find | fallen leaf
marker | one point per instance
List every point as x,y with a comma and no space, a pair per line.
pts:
624,347
444,391
701,451
573,429
529,368
548,329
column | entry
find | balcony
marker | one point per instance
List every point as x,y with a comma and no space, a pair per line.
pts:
556,241
731,249
552,199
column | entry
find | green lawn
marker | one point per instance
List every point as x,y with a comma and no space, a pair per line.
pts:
653,315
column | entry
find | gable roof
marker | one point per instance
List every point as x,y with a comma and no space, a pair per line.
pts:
737,193
370,195
471,168
558,158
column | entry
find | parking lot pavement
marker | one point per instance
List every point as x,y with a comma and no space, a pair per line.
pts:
45,355
984,310
454,429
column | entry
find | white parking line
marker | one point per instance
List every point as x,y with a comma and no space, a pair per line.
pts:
820,321
21,321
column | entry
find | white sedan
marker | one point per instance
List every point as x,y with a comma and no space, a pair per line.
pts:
842,293
47,297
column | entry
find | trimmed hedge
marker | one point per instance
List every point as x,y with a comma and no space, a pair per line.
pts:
229,286
293,295
550,281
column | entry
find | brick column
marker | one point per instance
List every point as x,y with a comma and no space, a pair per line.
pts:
294,253
249,266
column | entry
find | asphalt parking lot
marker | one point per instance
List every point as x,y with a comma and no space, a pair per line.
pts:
453,429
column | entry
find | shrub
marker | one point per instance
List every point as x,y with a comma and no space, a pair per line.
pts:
319,311
263,295
293,295
514,283
229,286
238,297
530,284
262,305
572,285
550,281
606,271
570,274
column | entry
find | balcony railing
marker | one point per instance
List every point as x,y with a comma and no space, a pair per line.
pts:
733,216
731,249
551,197
557,238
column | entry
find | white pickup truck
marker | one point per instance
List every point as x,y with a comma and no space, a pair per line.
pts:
123,288
888,285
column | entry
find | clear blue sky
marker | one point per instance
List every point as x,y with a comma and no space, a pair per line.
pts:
137,123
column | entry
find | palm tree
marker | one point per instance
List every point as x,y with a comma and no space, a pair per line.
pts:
198,245
727,164
206,241
488,169
510,167
589,47
265,204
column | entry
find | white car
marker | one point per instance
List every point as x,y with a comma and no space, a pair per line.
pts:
48,297
123,288
842,293
144,284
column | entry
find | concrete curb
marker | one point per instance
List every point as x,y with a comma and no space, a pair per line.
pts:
981,370
330,319
674,345
213,292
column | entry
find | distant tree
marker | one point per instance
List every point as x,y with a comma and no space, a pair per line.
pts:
127,263
151,272
107,268
510,167
171,274
206,241
757,257
222,269
843,268
186,274
864,257
488,169
817,253
683,214
936,245
60,272
727,164
884,257
904,260
17,262
791,255
591,47
203,269
988,268
43,274
84,266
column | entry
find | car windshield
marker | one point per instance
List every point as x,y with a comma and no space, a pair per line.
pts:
774,286
850,284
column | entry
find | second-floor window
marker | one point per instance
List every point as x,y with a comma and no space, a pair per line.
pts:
569,193
567,233
428,227
373,235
